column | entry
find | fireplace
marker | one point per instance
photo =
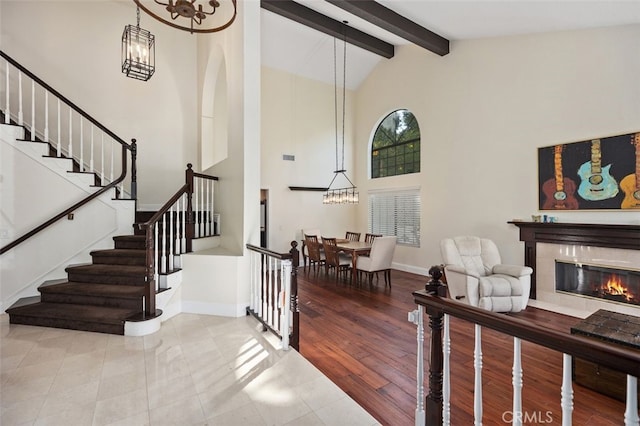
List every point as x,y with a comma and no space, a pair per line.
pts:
609,283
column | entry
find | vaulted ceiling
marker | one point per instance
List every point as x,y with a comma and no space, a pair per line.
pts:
304,50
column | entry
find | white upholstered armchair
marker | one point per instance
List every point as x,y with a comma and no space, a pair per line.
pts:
475,275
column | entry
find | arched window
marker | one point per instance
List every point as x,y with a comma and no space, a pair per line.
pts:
396,145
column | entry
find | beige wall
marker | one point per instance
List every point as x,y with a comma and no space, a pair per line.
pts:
298,119
483,111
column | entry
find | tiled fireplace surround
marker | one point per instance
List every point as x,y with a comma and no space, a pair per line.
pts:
617,246
576,305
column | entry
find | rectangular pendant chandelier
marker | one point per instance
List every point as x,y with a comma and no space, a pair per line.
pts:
138,52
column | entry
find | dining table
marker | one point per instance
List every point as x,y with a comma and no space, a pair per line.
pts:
355,248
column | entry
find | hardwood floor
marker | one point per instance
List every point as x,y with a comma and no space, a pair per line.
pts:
361,339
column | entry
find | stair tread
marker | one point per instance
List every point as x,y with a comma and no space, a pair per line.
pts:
98,314
120,253
94,289
105,269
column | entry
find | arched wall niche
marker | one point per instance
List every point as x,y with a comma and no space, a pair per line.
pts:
214,121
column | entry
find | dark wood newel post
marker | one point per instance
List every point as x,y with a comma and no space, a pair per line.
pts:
190,225
294,340
433,408
134,170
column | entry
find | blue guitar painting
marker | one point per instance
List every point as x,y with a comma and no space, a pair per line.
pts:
596,182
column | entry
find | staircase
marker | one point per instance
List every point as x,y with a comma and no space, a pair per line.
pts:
96,297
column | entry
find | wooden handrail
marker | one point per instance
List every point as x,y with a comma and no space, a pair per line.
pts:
271,253
71,209
611,356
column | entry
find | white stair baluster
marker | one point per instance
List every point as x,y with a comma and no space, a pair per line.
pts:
178,226
184,223
446,374
203,208
207,228
213,188
196,209
171,250
517,382
102,175
20,115
163,256
46,116
477,387
81,144
631,410
156,275
417,318
33,110
59,144
286,308
265,289
566,394
111,165
91,153
70,147
7,104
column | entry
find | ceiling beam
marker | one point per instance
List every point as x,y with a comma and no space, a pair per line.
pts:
309,17
395,23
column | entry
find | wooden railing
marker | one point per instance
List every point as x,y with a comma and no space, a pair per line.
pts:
274,292
48,116
435,410
170,231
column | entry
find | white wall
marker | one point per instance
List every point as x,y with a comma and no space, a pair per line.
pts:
75,47
298,119
483,111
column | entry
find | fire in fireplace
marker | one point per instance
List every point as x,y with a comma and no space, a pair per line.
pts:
601,282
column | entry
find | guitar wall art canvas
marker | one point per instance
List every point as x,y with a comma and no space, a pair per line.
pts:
602,173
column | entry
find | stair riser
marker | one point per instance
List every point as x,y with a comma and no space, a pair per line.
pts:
67,324
108,260
137,245
113,302
106,279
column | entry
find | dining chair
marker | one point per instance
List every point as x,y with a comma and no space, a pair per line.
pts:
305,250
379,259
352,236
316,256
368,238
335,259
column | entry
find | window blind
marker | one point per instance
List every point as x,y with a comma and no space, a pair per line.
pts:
396,213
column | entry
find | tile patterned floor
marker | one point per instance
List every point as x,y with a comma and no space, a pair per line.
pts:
197,370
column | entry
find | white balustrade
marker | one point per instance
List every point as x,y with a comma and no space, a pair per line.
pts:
171,247
46,116
20,112
33,110
417,317
81,162
566,392
477,387
163,256
270,293
7,103
516,378
59,144
631,412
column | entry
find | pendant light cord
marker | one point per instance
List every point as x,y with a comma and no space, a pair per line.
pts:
335,97
344,92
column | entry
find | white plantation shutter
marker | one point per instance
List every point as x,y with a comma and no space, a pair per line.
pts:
396,213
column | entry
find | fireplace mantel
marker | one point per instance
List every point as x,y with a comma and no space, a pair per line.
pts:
585,234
